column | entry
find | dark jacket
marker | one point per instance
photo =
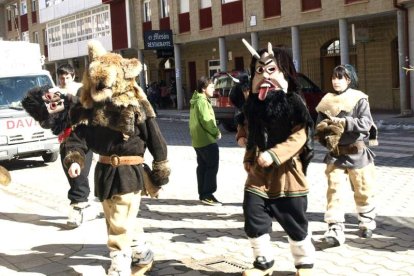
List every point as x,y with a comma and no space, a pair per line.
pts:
106,141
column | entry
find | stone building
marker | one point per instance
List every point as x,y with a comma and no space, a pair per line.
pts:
182,40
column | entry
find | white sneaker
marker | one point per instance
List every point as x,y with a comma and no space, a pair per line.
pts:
120,263
335,236
81,212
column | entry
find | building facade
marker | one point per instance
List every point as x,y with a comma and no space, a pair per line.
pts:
182,40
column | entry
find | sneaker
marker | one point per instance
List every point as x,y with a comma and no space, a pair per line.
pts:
81,212
142,261
142,258
120,263
335,235
212,201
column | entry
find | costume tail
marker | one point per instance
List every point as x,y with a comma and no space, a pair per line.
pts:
5,177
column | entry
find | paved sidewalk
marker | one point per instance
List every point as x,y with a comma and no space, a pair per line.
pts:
189,238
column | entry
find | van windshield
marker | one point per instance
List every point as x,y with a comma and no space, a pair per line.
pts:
13,89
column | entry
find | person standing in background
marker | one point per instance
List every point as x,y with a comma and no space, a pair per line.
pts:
81,210
204,135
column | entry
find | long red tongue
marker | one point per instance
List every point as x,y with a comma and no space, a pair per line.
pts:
263,93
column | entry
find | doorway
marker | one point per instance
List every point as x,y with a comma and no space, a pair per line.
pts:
330,58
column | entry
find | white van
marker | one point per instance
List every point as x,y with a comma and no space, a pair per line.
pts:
20,135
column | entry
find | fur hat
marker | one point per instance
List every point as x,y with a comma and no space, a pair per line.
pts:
110,96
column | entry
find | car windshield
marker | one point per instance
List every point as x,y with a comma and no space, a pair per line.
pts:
13,89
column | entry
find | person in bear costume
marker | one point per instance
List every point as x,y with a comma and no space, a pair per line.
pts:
115,120
278,150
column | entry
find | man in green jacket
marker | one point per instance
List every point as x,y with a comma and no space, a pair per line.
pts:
204,135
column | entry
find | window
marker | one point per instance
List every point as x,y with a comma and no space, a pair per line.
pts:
23,7
35,37
69,30
9,13
15,10
146,11
165,9
184,6
25,36
213,67
334,48
44,37
228,1
205,4
34,5
271,8
80,27
311,5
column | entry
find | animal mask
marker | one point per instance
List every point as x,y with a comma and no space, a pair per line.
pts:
267,75
110,77
110,91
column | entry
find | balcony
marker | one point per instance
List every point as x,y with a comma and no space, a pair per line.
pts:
65,8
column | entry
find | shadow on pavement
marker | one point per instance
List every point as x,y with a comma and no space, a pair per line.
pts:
48,256
36,219
19,164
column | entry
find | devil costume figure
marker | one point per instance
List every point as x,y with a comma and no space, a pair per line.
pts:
115,120
279,148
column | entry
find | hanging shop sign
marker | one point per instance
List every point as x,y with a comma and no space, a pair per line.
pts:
158,39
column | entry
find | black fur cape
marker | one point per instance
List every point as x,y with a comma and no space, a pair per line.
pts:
271,121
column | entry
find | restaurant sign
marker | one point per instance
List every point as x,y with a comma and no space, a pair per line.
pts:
159,39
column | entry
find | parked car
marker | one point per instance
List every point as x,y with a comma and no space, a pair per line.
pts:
225,111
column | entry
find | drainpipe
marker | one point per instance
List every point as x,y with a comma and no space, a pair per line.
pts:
407,57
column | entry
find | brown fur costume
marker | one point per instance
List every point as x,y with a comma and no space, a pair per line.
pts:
328,134
110,93
110,97
5,178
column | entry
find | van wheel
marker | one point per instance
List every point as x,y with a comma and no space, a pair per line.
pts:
50,157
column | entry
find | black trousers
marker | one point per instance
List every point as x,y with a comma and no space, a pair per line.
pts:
290,212
208,165
79,186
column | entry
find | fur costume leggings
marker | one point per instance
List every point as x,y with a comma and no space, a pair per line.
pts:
290,212
363,186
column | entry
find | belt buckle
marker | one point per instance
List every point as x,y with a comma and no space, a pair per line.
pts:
115,160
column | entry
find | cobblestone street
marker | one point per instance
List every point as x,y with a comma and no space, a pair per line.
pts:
189,238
